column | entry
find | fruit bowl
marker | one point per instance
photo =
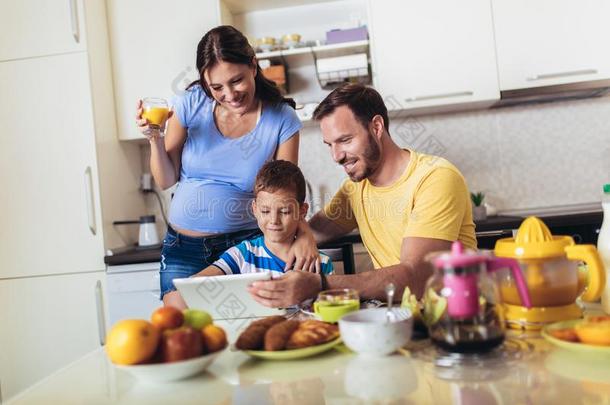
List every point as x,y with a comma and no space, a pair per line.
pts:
165,372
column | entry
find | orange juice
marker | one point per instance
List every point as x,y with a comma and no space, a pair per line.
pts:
156,115
542,295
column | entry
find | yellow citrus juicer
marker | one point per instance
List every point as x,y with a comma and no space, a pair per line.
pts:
554,277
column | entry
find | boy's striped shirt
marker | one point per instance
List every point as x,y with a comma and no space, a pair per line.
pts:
252,256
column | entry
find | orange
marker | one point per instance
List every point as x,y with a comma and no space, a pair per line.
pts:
214,337
132,341
167,318
567,334
594,330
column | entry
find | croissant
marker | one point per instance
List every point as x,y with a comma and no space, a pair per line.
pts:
311,333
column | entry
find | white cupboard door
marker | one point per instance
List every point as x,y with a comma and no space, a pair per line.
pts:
549,42
433,52
154,46
33,28
51,214
47,323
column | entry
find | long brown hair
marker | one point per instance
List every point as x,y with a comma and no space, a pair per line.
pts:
225,43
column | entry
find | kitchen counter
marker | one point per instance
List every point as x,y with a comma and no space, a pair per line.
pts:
528,371
553,218
134,255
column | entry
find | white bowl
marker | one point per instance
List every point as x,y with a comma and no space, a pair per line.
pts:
368,332
165,372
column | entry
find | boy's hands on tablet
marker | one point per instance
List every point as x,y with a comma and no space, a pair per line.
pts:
292,288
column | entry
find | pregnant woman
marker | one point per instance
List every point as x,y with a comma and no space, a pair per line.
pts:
223,129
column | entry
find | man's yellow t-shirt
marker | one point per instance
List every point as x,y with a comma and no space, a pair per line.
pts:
430,200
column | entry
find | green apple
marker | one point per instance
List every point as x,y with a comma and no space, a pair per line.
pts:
196,318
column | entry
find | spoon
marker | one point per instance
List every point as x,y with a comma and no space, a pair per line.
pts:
389,291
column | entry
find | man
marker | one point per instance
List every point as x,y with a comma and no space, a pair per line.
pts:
405,204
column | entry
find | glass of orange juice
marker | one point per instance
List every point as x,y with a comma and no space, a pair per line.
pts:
156,111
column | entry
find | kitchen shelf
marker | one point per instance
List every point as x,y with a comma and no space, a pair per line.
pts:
326,50
332,50
240,6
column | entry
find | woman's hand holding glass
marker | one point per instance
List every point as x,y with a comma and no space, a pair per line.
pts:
151,116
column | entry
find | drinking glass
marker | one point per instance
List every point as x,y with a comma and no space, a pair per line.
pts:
156,111
333,304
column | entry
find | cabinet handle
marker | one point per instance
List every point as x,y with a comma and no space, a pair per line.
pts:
445,95
74,20
562,74
101,319
90,200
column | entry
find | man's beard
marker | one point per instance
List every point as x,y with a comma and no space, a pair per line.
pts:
371,160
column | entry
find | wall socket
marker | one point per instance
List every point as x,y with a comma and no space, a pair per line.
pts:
146,182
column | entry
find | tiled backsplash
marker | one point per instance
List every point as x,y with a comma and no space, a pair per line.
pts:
522,157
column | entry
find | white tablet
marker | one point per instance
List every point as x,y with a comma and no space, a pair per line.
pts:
225,297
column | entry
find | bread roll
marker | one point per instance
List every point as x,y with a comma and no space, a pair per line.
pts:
253,338
277,335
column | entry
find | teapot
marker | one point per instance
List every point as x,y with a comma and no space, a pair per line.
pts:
462,302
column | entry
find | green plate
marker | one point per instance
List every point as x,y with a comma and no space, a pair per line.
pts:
579,347
294,354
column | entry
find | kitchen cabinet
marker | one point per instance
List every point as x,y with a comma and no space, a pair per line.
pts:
70,177
153,50
52,199
47,322
550,42
432,53
66,178
133,290
34,28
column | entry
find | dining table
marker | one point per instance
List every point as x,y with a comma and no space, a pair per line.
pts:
525,369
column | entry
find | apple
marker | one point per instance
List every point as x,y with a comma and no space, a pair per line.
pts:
181,344
167,318
197,318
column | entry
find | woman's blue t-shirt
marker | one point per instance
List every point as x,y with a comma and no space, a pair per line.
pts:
216,184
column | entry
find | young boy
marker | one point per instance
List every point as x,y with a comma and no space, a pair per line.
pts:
279,204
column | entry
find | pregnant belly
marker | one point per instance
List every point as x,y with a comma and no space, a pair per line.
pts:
211,209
